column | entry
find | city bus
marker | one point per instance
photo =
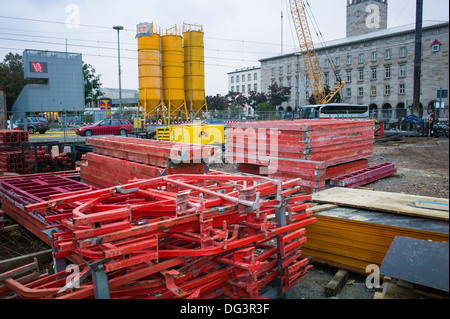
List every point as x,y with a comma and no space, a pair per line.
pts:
335,111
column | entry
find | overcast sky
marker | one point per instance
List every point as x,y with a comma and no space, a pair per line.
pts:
237,32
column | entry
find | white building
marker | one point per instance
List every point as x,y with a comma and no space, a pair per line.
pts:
245,80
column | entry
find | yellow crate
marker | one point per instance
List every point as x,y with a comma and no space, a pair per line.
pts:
193,134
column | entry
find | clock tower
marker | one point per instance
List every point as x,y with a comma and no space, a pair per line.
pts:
365,16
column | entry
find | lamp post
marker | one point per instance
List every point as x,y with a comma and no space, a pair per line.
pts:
118,28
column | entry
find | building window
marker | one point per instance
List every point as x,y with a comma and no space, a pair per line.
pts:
435,48
249,77
232,89
255,87
281,70
387,90
349,59
237,78
360,91
289,68
402,70
237,88
338,61
388,54
243,89
403,52
361,74
232,79
249,88
361,58
349,92
387,72
349,76
373,74
327,63
337,77
402,88
373,91
273,71
374,56
243,78
327,78
255,76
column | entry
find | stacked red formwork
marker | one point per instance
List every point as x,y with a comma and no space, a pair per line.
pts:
9,137
180,236
117,160
10,152
309,149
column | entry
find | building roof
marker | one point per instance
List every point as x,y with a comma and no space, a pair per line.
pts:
372,36
245,69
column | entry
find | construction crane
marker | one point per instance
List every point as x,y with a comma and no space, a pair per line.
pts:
308,52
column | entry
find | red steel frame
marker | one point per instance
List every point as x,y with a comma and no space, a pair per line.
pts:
182,236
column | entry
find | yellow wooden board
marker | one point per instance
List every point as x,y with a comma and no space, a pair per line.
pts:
382,201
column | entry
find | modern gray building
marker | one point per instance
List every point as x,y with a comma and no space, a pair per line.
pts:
376,62
58,83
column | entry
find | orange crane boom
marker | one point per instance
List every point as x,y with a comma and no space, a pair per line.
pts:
310,59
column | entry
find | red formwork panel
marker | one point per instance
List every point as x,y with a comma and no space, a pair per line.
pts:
159,153
115,171
181,236
293,146
17,192
345,168
364,176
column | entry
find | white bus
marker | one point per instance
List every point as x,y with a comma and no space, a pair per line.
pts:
335,111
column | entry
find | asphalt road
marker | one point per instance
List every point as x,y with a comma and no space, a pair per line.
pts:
56,135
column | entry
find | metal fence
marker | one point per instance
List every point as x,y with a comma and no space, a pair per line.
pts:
390,117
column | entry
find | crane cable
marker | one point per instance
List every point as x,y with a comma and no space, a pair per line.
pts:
321,39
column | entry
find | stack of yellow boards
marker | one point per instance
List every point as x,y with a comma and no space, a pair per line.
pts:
360,229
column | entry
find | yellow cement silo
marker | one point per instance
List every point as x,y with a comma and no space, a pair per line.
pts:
173,75
150,70
194,70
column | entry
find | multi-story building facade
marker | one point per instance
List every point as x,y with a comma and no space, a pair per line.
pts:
377,64
245,80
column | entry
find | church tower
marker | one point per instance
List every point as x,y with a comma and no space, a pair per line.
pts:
365,16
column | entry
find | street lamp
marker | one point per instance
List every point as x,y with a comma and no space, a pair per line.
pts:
118,28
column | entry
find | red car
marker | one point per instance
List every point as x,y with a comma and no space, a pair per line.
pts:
106,127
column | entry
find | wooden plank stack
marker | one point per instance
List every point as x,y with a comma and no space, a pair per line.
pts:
118,160
309,149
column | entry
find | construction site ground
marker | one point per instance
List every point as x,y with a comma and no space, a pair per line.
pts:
422,169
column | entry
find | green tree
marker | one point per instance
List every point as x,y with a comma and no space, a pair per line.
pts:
265,107
12,77
217,102
278,94
92,84
236,99
256,98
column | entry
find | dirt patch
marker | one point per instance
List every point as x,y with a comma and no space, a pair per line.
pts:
422,166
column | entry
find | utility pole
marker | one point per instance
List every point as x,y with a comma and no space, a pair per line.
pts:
118,28
418,58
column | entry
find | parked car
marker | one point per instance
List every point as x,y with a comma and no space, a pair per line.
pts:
106,127
34,124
